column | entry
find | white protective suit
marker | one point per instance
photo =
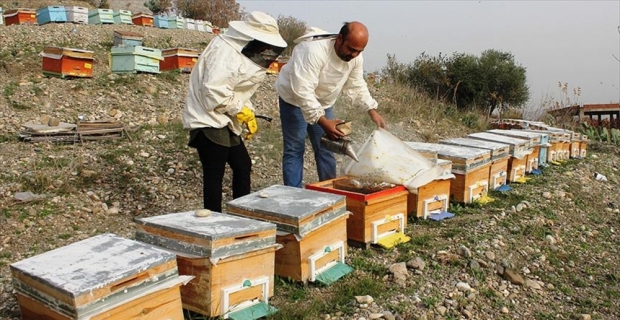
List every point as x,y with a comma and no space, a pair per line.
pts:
314,76
222,81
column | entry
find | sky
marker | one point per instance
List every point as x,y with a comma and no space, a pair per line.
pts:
573,42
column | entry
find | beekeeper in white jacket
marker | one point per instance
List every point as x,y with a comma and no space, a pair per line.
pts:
218,111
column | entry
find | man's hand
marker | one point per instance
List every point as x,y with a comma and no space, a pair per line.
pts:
329,126
377,118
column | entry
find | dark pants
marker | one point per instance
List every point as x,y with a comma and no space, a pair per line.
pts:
214,158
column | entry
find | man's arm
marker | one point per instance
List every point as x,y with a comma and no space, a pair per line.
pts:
356,89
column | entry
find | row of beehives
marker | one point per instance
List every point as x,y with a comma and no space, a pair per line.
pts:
126,56
80,15
301,234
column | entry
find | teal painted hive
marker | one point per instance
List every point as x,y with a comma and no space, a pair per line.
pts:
100,16
161,21
130,59
122,17
176,23
127,38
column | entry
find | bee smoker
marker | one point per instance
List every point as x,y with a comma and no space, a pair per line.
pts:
339,146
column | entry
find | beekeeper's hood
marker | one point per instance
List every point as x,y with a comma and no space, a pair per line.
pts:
314,33
257,37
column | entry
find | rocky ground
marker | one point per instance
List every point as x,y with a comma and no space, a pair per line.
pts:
547,249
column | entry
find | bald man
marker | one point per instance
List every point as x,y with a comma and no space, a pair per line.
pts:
321,66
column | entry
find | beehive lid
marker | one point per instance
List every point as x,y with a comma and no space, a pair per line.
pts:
187,52
81,278
141,14
215,236
499,138
533,137
498,150
128,35
293,210
137,50
463,159
58,52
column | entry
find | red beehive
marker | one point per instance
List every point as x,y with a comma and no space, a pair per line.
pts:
142,19
20,16
67,62
178,59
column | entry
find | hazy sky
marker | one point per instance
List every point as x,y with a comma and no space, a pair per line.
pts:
571,42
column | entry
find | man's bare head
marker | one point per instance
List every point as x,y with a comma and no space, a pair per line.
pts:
351,40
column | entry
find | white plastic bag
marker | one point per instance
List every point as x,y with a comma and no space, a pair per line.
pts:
385,158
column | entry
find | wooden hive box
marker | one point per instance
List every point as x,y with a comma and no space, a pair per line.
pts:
519,153
470,167
122,16
535,143
175,22
231,258
189,24
51,14
178,59
160,21
433,197
200,25
103,277
77,14
132,59
1,16
127,38
20,16
375,212
544,144
554,144
565,137
142,19
500,156
311,229
575,141
67,62
583,146
101,16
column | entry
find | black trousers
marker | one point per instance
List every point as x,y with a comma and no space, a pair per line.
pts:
214,158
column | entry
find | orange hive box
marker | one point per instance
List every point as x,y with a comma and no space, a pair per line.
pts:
20,16
178,59
433,197
67,62
142,19
374,212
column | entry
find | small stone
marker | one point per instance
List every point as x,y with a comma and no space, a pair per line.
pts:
263,195
546,195
144,154
505,310
202,213
416,263
585,316
53,122
442,310
375,316
464,251
489,255
550,239
387,315
364,299
513,277
463,286
467,314
532,284
113,210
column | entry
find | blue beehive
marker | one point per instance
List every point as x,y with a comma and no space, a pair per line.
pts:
51,14
176,23
122,17
130,59
127,38
161,22
100,16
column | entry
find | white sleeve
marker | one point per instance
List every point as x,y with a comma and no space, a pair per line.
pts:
356,88
307,65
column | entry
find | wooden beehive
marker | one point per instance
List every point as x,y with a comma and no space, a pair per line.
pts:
189,24
160,21
221,252
67,62
311,225
51,14
545,144
1,16
500,155
200,25
535,140
101,16
563,150
122,16
77,14
175,22
127,38
182,59
519,153
368,207
142,19
103,277
20,16
583,146
433,197
133,59
470,167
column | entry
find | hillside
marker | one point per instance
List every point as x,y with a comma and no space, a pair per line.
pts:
558,232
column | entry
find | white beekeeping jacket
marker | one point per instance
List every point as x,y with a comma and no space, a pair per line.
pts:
221,83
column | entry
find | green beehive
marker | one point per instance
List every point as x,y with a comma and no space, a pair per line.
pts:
122,17
130,59
175,22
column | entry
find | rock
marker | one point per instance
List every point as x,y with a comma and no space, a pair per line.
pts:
463,286
585,316
546,195
416,263
474,264
162,119
399,267
388,315
489,255
464,251
53,122
364,299
442,310
550,239
532,284
467,314
499,269
375,316
513,277
504,310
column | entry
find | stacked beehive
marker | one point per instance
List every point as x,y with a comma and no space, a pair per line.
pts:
129,56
